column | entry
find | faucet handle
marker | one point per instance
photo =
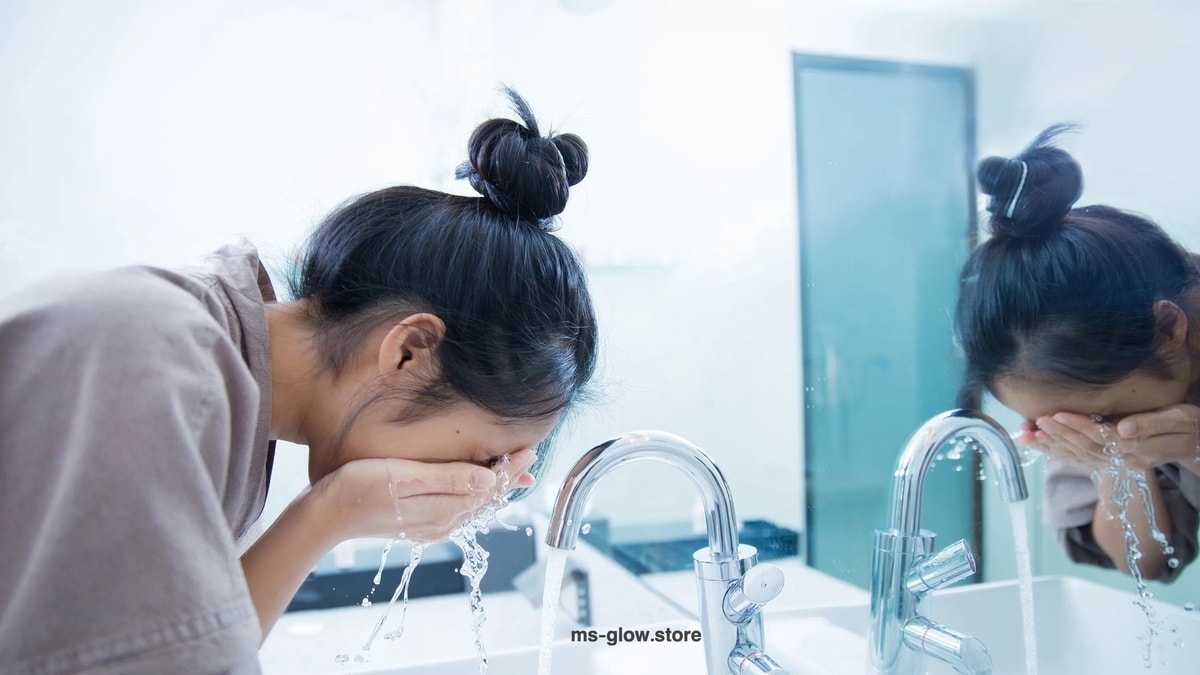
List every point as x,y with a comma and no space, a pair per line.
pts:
964,653
748,659
746,595
953,563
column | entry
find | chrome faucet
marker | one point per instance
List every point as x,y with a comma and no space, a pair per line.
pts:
732,587
903,567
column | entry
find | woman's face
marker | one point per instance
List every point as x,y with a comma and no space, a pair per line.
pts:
1137,393
461,432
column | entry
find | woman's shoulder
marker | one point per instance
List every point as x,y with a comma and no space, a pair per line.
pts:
120,309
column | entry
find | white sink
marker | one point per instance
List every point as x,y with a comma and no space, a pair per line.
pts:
1082,627
599,658
577,658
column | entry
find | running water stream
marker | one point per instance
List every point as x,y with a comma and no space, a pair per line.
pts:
1020,526
556,562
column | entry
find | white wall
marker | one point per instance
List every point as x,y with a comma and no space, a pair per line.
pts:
143,131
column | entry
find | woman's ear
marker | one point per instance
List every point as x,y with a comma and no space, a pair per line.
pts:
410,347
1171,325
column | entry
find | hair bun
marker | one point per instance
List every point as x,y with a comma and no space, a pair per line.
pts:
1029,195
523,174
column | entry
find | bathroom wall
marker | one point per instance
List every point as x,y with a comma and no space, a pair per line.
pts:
152,132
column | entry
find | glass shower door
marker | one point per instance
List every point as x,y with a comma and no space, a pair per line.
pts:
886,201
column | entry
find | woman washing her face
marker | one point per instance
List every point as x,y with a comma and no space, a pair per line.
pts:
432,344
1086,321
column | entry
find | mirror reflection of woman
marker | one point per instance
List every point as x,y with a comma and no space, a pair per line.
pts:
432,344
1086,321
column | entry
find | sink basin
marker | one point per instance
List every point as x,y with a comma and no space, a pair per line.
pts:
1082,627
581,658
599,658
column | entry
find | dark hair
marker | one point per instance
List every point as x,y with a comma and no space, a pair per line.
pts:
1059,294
520,338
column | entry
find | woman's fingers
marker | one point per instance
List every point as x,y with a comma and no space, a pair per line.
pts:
1060,428
450,478
1063,439
1176,419
1085,427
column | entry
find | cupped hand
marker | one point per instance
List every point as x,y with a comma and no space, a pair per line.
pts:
424,501
1145,440
1069,436
1170,434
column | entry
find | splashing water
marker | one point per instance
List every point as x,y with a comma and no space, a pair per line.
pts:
366,601
1119,496
405,580
1139,480
556,563
475,557
474,567
414,559
1020,527
1196,435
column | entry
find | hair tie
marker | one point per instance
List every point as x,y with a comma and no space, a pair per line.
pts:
1012,204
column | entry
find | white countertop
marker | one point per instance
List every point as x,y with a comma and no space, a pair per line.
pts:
438,628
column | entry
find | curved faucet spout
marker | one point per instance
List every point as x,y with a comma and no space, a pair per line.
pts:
908,482
656,445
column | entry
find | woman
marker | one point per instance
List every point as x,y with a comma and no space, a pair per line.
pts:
433,343
1086,321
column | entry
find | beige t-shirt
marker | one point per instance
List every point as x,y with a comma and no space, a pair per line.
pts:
134,453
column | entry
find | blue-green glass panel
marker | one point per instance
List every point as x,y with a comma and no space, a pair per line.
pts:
886,216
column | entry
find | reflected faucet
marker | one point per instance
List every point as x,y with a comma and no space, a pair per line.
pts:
732,586
903,567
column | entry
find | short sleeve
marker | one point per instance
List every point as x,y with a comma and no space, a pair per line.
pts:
117,555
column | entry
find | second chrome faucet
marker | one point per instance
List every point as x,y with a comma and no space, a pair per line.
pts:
904,567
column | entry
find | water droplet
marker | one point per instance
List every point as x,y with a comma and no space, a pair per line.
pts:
587,527
366,602
1189,606
958,468
341,659
529,532
1173,563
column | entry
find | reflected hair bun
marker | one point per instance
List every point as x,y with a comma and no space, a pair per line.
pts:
521,173
1030,194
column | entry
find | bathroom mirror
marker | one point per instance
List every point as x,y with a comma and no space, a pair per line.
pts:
779,198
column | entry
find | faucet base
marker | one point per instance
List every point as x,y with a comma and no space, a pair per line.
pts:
891,602
713,578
